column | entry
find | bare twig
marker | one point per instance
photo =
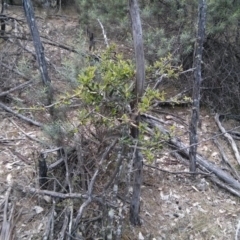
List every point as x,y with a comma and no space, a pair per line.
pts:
90,188
52,193
225,159
6,225
187,173
119,163
55,164
27,135
3,106
229,138
61,235
23,85
159,80
104,33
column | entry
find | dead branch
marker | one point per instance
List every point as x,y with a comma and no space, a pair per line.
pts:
229,138
21,86
90,188
159,80
225,159
6,233
104,33
61,235
27,135
119,163
55,164
52,193
209,166
177,173
205,165
49,228
3,106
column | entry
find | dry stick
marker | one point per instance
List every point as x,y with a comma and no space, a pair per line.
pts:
225,159
213,178
90,189
55,164
183,149
47,234
23,85
20,116
61,235
104,33
80,158
229,138
50,225
188,173
159,80
6,225
27,135
55,44
65,157
224,186
153,120
119,163
54,194
70,224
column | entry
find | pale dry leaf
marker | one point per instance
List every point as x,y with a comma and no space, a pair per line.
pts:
140,236
214,154
38,209
168,117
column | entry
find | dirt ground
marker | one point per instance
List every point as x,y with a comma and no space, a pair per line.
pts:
173,206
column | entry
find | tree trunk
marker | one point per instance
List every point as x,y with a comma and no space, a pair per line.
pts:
29,13
139,90
196,85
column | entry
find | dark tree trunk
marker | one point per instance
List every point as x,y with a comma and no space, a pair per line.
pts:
29,13
139,90
196,85
42,168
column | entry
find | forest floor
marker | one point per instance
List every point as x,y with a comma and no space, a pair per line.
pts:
173,204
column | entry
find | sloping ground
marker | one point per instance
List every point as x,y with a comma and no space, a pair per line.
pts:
173,206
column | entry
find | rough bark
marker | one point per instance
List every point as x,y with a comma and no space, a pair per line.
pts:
196,85
139,89
29,13
138,46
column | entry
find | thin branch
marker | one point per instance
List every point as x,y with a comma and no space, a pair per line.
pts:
90,188
3,106
27,135
229,138
6,225
52,193
188,173
104,33
23,85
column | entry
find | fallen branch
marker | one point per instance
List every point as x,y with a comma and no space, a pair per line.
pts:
3,106
6,232
229,138
176,173
209,166
23,85
204,164
27,135
52,193
225,159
